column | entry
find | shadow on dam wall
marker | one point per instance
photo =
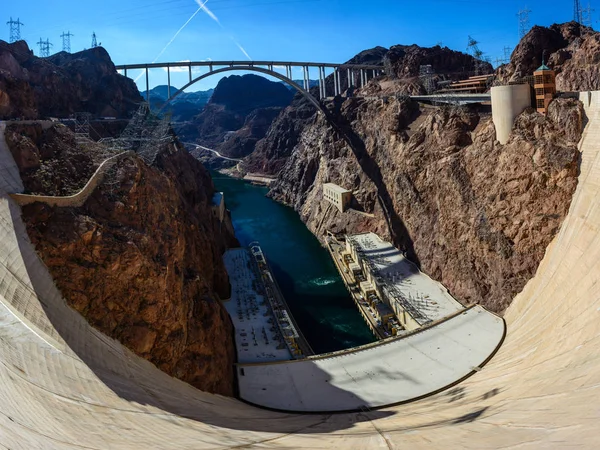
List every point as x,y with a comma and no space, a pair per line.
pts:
139,382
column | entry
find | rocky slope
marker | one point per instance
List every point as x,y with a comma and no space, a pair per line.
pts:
572,50
62,84
142,258
238,114
476,215
184,107
401,63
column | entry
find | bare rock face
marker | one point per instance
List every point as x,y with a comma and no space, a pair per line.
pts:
141,260
476,215
572,50
62,84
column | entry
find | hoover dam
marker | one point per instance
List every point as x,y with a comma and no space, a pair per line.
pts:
66,385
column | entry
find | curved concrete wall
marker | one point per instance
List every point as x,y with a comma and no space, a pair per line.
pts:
75,200
507,103
66,386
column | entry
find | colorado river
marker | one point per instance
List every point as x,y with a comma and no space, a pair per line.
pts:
308,278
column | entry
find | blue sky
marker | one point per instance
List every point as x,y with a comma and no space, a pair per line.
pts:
136,31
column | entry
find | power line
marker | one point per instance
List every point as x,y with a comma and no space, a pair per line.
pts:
473,50
586,16
15,30
66,37
523,16
577,11
44,48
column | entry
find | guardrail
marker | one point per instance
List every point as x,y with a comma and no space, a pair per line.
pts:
78,199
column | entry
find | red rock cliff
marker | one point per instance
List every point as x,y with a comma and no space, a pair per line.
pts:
142,260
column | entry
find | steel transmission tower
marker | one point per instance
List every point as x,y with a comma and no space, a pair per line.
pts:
473,50
94,40
66,37
15,30
523,16
44,48
577,11
586,16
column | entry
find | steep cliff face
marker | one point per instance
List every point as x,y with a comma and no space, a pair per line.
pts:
476,215
62,84
142,259
401,63
570,49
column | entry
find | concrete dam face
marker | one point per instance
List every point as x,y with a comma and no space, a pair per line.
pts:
65,385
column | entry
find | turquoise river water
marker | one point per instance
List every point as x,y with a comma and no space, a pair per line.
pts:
304,270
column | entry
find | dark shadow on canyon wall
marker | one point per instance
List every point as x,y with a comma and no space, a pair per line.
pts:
398,231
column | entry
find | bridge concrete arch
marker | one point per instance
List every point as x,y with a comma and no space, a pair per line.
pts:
249,68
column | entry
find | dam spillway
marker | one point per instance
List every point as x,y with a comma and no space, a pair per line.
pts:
67,386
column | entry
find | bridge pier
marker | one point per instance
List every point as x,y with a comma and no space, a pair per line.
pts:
168,82
304,77
322,82
147,87
348,77
190,71
335,84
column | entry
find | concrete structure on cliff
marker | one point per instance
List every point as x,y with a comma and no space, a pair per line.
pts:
507,103
337,196
65,385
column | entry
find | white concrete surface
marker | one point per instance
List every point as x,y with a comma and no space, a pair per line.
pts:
394,371
507,103
73,388
256,339
10,180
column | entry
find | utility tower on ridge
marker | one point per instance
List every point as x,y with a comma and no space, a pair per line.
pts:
473,50
586,16
577,11
66,37
15,30
44,48
523,16
94,40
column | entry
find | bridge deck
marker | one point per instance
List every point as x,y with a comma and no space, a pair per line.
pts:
247,63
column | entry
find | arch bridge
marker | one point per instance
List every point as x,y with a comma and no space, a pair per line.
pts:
354,75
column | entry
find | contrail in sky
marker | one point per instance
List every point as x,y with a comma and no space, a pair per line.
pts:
241,48
177,34
210,14
208,11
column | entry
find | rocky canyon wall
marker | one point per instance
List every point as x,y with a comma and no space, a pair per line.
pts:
475,214
142,258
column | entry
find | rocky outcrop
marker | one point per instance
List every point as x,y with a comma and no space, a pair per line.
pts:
141,260
476,215
572,50
238,114
58,86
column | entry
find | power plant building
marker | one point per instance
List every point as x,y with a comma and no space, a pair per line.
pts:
383,272
337,195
